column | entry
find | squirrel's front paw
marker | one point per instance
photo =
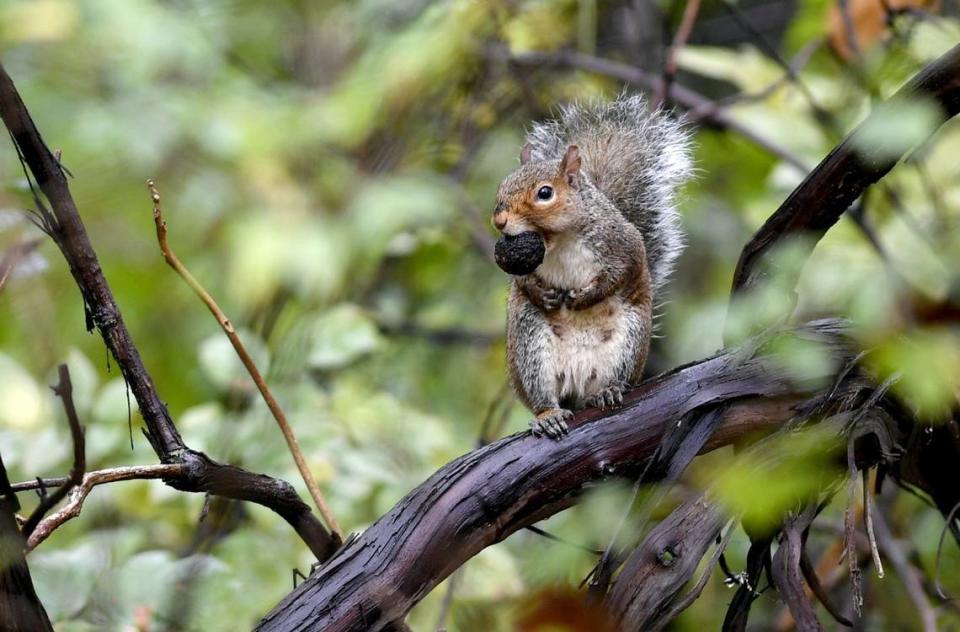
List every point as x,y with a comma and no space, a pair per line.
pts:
551,422
553,298
609,397
574,298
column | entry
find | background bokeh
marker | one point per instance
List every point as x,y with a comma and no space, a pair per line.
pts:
327,170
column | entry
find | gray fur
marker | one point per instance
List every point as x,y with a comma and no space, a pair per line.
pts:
579,326
636,158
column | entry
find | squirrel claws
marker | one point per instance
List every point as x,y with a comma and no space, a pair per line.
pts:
552,423
573,297
553,299
609,397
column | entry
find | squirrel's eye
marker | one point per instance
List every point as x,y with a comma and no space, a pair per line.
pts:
545,193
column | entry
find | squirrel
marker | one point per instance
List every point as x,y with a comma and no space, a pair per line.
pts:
598,185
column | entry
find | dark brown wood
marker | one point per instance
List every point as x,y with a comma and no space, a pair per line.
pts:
657,570
488,494
786,573
20,608
62,221
840,178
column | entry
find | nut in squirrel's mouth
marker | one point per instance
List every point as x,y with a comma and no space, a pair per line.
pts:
520,254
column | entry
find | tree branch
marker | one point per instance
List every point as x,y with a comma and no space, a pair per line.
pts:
840,178
484,496
90,480
681,95
279,416
64,390
662,565
20,608
62,221
13,256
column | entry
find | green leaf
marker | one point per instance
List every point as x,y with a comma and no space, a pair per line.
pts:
221,365
341,336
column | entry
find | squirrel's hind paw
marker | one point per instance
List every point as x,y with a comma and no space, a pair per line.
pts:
609,397
552,423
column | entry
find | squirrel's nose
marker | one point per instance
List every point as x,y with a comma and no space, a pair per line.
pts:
500,219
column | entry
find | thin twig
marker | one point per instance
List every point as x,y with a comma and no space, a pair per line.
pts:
850,530
908,575
64,390
503,398
248,362
38,483
868,520
441,336
447,602
849,30
795,65
682,95
943,535
91,480
821,115
690,12
14,255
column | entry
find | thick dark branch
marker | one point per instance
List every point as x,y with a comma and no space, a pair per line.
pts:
200,473
486,495
71,236
20,608
659,568
843,176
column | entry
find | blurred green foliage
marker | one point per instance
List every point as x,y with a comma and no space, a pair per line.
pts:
327,169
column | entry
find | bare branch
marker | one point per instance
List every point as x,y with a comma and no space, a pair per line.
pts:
693,594
90,480
64,390
663,564
38,483
819,201
850,532
690,12
868,523
62,221
14,255
947,526
908,575
786,572
484,496
281,418
682,96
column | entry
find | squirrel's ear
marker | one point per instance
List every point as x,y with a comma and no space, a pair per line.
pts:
526,153
570,166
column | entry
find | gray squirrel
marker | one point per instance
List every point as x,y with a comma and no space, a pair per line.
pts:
598,186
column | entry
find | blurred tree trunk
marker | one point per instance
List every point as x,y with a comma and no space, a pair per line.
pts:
20,608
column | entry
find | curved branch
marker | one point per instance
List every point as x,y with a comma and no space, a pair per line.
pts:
86,484
488,494
840,178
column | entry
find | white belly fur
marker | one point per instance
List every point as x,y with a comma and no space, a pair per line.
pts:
589,346
568,264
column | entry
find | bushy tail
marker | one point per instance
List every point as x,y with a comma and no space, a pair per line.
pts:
637,158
